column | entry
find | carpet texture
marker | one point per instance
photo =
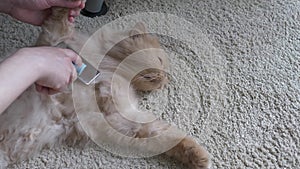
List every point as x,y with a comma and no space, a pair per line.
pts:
235,84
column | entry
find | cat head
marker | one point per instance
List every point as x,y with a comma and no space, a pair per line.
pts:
144,50
138,39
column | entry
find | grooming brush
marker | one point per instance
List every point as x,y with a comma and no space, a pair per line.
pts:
86,72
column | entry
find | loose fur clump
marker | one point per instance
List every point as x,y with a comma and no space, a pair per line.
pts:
35,121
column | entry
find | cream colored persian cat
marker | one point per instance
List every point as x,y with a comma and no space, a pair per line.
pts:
35,121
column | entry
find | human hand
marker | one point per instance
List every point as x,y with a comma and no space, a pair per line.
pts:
55,70
36,11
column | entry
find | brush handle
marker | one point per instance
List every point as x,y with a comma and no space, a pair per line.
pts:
79,69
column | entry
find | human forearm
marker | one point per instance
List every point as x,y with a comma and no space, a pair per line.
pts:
36,11
51,69
17,74
5,6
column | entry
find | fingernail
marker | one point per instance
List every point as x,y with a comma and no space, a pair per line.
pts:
71,19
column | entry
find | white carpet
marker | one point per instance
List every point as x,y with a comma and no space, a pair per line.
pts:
237,90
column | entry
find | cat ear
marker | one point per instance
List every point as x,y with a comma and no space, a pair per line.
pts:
139,28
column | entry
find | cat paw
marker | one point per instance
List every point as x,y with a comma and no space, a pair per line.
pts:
191,154
198,158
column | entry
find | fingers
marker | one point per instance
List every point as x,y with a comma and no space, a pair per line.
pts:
73,56
74,12
50,91
78,61
36,11
61,77
75,60
71,19
74,75
64,3
45,90
31,16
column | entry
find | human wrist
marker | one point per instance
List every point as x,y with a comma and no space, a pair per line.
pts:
6,6
33,65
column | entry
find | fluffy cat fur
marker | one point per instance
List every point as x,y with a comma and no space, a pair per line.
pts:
35,121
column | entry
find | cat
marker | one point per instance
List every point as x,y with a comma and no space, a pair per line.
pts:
35,121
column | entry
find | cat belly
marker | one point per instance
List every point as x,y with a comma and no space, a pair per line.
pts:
28,125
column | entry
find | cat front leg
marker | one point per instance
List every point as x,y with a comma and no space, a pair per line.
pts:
56,28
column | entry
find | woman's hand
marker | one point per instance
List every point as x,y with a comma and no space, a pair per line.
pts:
50,68
36,11
54,67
